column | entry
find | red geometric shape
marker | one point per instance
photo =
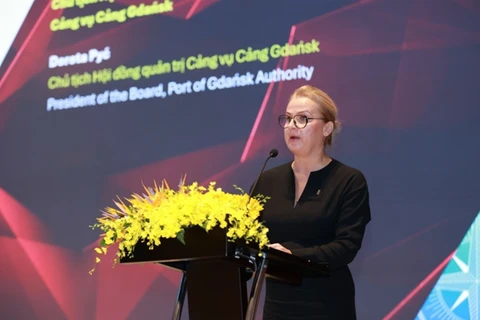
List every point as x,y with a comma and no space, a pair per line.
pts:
418,288
198,6
22,223
20,281
25,63
197,165
377,78
119,289
57,267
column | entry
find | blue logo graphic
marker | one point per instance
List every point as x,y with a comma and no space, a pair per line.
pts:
456,295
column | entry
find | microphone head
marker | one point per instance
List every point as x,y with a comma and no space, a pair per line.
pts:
273,153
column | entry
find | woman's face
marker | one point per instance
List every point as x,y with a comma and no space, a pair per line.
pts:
310,139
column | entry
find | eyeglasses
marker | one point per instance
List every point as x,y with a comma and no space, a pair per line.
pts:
299,121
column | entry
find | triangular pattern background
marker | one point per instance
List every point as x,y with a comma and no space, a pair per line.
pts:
456,293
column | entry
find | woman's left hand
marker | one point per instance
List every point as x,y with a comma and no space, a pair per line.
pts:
278,246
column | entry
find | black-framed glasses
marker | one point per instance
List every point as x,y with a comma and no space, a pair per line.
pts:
300,121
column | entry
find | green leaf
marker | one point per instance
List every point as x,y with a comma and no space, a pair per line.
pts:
238,188
181,236
102,242
205,223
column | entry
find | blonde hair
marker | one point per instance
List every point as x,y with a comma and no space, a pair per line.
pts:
327,107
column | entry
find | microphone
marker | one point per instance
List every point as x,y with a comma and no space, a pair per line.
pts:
273,154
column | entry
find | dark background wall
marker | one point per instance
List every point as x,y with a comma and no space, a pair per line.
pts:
404,75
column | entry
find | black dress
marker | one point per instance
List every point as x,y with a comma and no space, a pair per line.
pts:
327,224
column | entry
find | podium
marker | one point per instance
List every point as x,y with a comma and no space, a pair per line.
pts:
215,272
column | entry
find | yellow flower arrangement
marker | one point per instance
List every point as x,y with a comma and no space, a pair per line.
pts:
164,213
